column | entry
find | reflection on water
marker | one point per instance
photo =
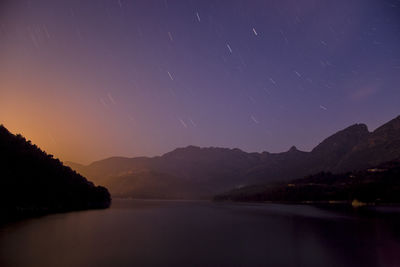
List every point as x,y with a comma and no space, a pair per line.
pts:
188,233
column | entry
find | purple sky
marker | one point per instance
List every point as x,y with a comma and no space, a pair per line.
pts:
91,79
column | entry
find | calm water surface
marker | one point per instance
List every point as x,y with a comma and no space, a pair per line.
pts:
187,233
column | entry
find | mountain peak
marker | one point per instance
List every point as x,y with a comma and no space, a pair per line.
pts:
392,125
293,149
381,145
343,139
356,128
183,150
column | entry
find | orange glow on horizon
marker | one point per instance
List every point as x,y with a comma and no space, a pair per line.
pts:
69,126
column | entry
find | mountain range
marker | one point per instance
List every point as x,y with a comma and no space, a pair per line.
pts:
194,172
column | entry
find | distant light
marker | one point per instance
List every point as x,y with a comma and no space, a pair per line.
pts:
254,119
170,36
229,47
323,107
170,76
192,122
111,98
183,123
298,74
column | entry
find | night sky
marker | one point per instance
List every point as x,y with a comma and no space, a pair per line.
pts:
87,80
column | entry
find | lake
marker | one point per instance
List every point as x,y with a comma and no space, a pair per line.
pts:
201,233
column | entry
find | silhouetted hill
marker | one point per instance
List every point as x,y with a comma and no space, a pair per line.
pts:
194,172
190,172
34,183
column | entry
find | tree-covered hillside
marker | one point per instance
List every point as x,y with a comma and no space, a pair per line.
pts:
34,183
374,185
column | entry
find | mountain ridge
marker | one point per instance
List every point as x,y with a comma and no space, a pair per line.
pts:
210,170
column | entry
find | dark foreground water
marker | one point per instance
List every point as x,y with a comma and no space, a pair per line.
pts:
185,233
